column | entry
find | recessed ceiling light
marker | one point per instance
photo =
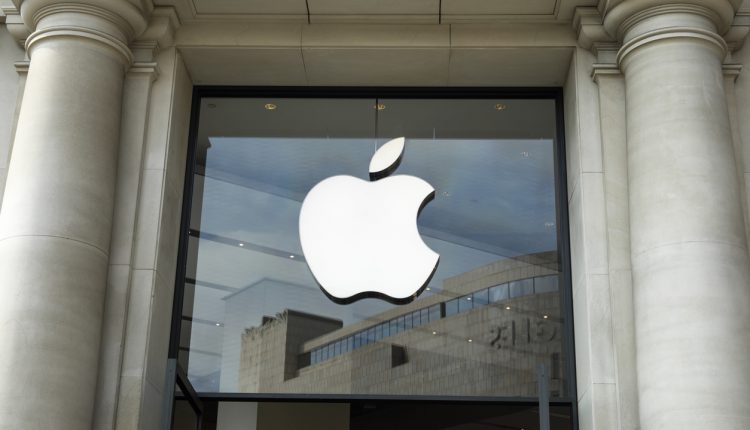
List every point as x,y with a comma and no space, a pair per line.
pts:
507,307
218,324
434,332
501,106
241,244
470,341
380,106
428,288
468,298
270,106
545,317
291,256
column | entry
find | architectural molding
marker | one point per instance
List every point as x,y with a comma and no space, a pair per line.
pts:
721,11
738,32
123,11
600,70
732,70
626,27
591,36
115,27
123,19
82,32
606,52
111,21
145,51
147,69
606,25
671,33
589,28
378,12
161,28
14,23
22,67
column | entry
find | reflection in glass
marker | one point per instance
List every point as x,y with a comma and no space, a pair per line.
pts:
547,284
499,293
464,303
522,287
480,298
434,312
451,307
254,319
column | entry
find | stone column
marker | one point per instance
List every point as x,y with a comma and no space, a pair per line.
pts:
690,264
56,215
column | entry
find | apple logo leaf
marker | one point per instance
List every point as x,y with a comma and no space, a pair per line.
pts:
386,159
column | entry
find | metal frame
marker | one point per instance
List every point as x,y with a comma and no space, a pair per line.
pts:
176,377
563,239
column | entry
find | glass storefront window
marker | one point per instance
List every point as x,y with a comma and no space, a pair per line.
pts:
255,321
223,415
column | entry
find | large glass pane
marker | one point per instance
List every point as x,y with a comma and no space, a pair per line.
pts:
464,303
480,298
522,287
256,321
434,313
546,284
451,307
499,293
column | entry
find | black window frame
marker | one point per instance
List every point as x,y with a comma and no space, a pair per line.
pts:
563,234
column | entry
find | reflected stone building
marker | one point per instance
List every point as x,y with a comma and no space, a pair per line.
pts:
484,335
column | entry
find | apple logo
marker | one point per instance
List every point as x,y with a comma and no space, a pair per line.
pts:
360,238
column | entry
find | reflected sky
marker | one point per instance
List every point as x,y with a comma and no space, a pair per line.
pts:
495,195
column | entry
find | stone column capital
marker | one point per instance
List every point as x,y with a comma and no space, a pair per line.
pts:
678,21
621,18
620,21
111,23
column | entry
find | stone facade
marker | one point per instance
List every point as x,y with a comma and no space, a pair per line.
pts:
93,140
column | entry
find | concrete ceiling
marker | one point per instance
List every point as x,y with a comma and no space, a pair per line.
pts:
377,42
377,54
378,7
383,11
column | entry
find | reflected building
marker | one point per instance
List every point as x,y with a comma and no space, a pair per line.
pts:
484,335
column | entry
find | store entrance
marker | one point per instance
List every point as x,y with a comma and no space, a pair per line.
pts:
367,415
238,412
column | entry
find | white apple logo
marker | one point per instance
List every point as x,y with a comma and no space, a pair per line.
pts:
360,238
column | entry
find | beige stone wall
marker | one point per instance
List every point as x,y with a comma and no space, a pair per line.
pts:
11,89
739,97
594,206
